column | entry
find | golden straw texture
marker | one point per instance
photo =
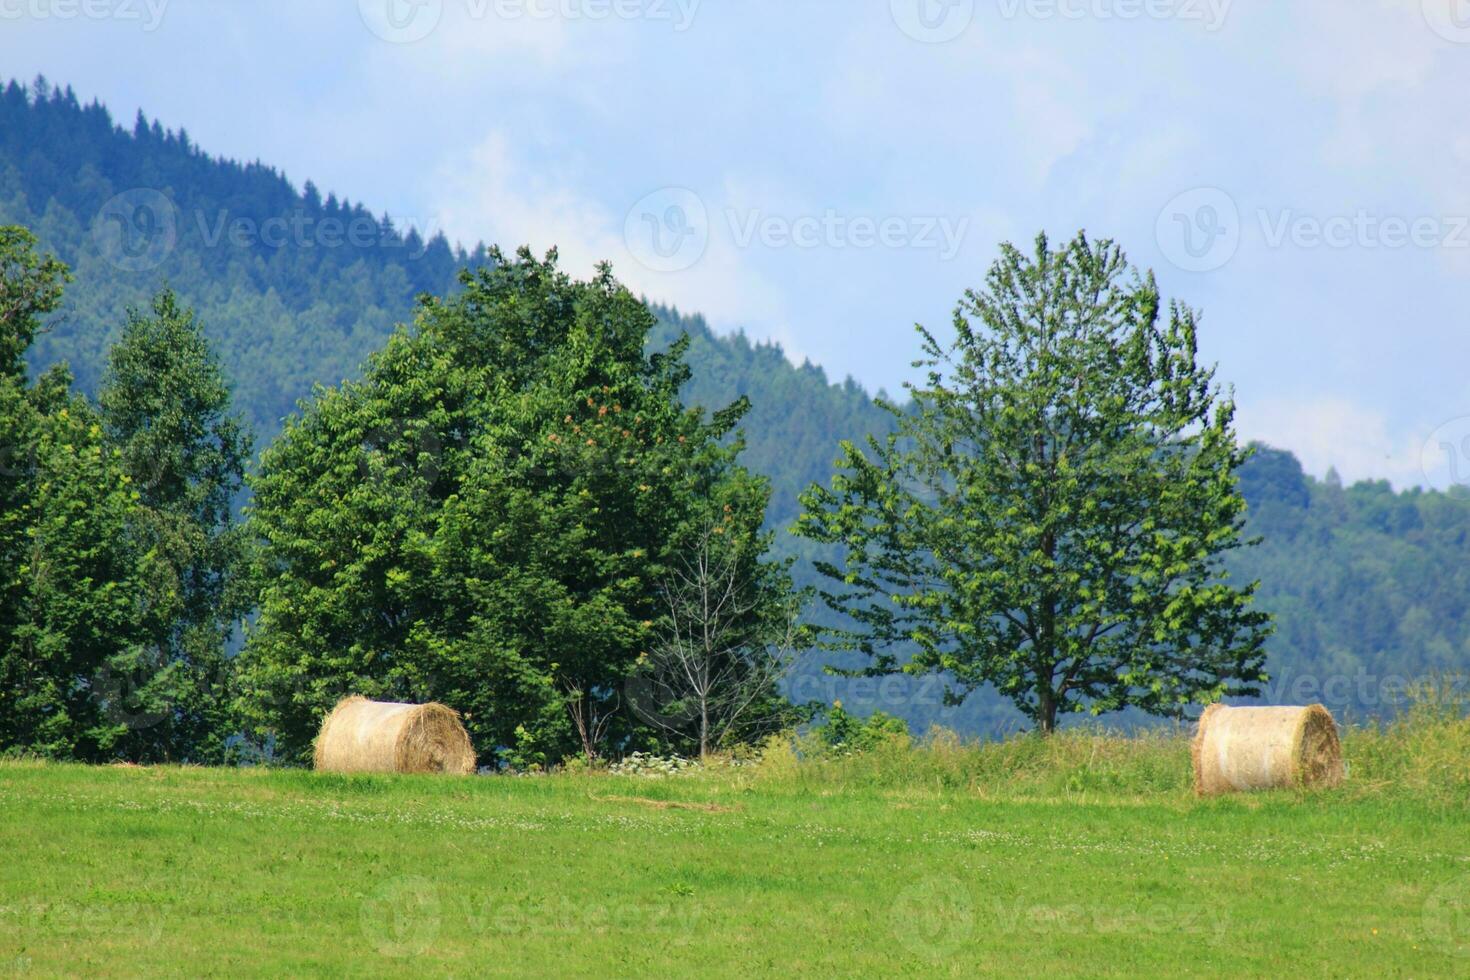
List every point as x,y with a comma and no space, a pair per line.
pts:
373,736
1243,749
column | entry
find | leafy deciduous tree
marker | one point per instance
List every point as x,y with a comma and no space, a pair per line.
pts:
484,518
69,616
166,406
30,288
1051,516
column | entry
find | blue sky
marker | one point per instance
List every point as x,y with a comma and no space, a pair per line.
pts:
826,174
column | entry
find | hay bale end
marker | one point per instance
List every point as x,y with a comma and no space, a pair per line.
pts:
375,736
1243,749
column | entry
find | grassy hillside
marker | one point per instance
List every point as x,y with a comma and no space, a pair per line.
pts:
1083,855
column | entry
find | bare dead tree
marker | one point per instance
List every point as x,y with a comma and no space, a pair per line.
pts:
724,644
590,715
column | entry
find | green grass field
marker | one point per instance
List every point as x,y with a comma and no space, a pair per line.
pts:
1086,855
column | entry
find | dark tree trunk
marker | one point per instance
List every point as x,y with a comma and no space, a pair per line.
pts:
1046,695
1046,710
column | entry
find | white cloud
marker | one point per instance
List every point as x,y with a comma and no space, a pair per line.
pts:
1327,432
1353,50
492,195
450,36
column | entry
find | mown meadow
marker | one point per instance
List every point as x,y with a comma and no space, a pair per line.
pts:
1084,853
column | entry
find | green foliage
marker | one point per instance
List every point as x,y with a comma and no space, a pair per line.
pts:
1073,764
485,517
114,537
1051,515
726,637
166,406
69,618
1422,752
30,288
844,733
72,627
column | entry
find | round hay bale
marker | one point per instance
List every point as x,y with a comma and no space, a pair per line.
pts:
374,736
1243,749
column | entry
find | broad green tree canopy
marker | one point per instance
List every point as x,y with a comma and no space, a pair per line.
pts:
484,518
1051,515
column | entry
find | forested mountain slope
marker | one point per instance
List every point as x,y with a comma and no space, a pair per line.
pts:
797,416
289,303
1369,586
